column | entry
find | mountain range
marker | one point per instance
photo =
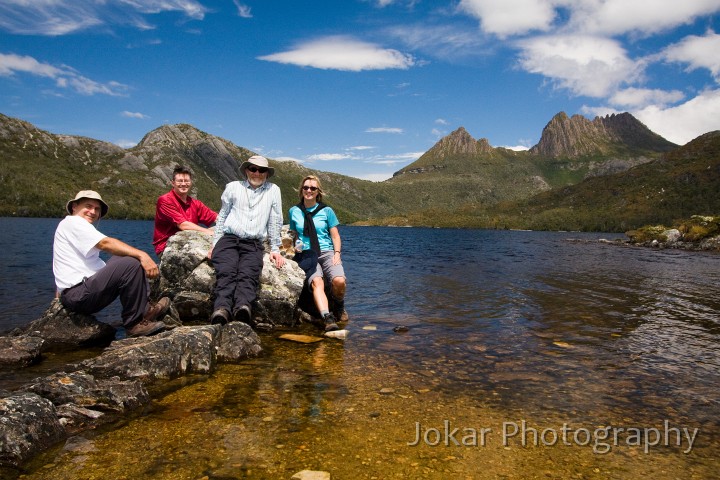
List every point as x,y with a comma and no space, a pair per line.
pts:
610,174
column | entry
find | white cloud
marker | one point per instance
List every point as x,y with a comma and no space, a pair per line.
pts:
361,147
682,123
342,53
607,17
243,10
511,17
441,121
125,143
384,130
440,41
641,97
697,52
397,158
592,66
329,157
517,148
134,115
289,159
61,17
614,17
376,177
65,77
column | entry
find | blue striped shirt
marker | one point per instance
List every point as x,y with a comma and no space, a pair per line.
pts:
251,213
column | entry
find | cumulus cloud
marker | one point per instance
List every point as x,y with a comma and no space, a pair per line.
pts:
65,77
641,97
61,17
511,17
697,52
342,53
384,130
615,17
684,122
585,65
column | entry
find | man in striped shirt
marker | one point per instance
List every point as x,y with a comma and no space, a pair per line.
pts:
251,211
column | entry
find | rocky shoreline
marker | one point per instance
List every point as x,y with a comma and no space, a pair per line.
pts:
93,392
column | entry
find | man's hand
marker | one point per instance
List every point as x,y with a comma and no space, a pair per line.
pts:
278,259
149,265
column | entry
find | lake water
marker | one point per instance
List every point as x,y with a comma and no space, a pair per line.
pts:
553,356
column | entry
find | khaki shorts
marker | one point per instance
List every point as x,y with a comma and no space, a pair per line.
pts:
326,269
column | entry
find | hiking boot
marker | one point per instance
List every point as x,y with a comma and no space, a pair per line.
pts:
330,324
339,312
244,315
157,310
145,328
220,317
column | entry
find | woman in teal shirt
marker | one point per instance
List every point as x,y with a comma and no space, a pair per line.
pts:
319,251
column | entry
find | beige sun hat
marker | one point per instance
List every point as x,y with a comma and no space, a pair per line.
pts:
258,161
88,194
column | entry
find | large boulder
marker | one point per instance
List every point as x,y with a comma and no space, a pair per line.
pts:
61,329
188,277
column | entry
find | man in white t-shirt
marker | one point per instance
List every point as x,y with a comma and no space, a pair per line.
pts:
86,284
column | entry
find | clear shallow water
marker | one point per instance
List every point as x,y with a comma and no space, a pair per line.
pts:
503,327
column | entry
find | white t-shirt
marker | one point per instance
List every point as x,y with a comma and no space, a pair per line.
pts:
74,254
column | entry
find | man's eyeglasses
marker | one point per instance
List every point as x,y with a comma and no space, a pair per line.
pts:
257,169
312,189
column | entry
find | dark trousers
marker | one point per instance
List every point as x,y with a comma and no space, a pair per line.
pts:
121,277
238,264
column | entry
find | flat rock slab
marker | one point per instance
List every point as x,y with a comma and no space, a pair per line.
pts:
300,338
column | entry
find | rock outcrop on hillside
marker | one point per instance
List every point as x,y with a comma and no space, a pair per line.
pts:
209,153
577,136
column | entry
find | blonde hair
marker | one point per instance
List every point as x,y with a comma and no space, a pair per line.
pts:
319,185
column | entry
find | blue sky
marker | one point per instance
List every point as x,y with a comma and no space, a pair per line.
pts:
358,87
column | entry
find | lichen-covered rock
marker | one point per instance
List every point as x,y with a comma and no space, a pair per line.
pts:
20,351
188,277
84,390
171,354
29,426
237,342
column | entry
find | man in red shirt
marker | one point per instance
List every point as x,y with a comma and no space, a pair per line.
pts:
176,210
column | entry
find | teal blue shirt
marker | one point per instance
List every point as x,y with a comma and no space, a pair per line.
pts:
324,221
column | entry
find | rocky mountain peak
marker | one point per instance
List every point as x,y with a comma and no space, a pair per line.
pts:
460,142
577,136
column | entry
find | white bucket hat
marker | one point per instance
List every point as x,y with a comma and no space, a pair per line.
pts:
258,161
88,194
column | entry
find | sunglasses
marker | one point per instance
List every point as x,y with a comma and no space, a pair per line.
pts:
312,189
257,169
